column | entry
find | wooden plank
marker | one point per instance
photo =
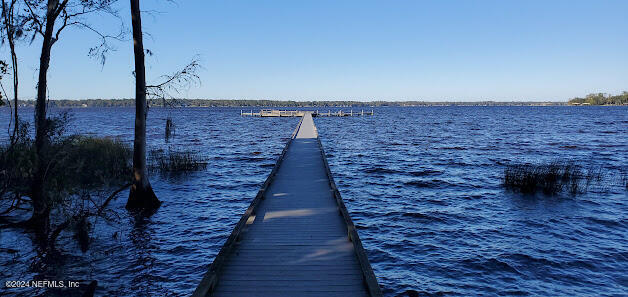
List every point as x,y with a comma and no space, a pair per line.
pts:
311,270
271,275
290,286
286,280
257,261
291,294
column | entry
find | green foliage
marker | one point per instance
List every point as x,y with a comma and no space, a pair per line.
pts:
72,163
91,162
601,99
17,164
78,163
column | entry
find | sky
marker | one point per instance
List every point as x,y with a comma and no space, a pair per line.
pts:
353,50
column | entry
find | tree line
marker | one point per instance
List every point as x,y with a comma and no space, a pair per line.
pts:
269,103
601,99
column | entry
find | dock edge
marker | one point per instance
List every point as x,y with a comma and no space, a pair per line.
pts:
210,278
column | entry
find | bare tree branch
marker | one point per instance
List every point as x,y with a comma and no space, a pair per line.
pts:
175,83
34,20
73,13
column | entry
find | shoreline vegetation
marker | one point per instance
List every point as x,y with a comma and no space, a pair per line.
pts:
601,99
81,171
591,99
273,103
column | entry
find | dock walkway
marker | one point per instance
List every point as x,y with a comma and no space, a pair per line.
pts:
296,238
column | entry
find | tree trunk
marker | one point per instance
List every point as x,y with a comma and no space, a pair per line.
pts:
41,207
141,195
10,31
15,85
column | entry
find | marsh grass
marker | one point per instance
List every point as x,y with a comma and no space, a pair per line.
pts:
172,161
94,161
73,166
78,173
552,178
72,163
623,178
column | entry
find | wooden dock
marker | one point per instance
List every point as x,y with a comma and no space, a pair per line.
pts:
296,238
300,113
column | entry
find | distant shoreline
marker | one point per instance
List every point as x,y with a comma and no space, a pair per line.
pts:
596,99
276,103
86,103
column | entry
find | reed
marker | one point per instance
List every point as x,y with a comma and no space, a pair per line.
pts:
624,178
551,179
173,161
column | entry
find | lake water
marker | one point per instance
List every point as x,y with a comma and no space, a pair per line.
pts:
422,184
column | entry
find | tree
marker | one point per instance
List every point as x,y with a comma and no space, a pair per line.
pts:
141,195
42,18
12,28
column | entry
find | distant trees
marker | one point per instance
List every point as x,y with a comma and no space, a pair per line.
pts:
153,100
601,99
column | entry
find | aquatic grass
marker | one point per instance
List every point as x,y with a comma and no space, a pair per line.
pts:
95,160
623,176
73,163
551,179
173,161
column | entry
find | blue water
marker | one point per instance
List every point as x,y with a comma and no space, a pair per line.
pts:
423,186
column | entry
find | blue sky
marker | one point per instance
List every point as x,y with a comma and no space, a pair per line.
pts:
357,50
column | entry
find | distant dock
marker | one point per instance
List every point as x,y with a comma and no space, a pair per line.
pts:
296,238
300,113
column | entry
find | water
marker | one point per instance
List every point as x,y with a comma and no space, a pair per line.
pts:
423,186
